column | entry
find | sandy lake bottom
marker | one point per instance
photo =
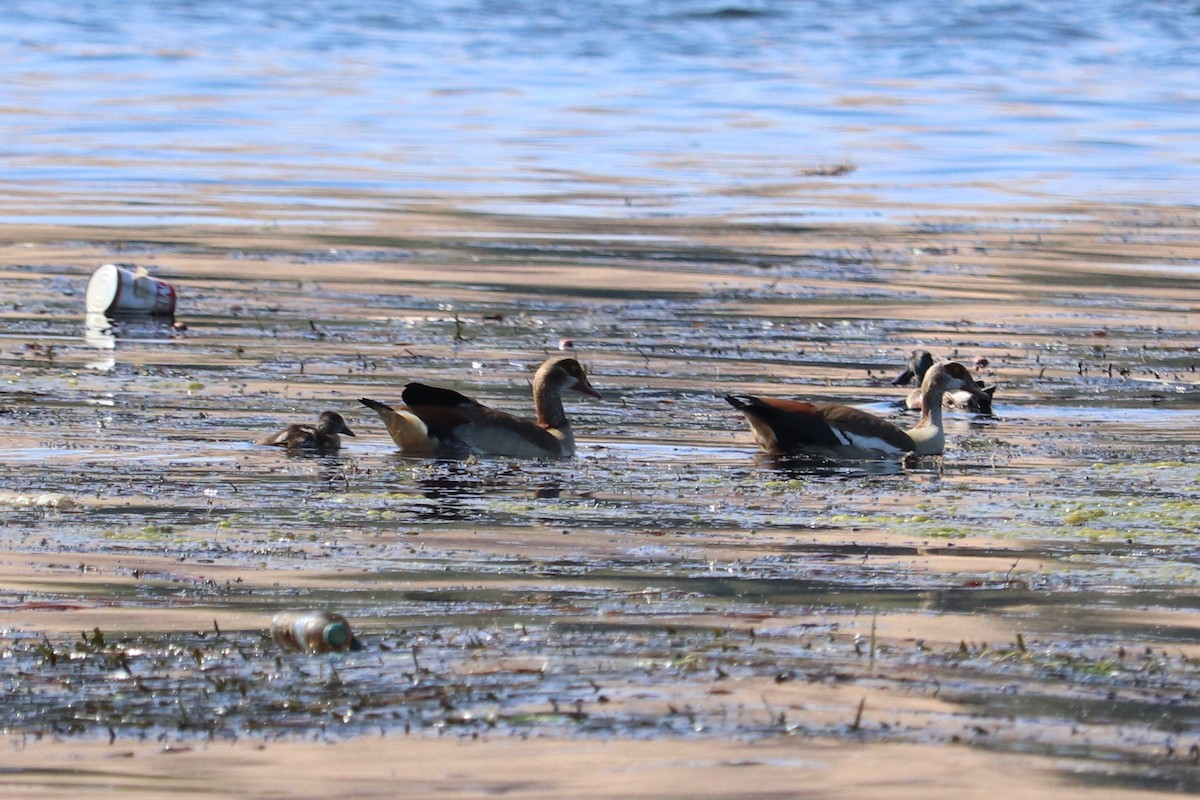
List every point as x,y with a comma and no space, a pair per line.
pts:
670,613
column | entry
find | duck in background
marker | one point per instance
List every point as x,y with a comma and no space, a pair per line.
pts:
443,422
323,438
790,427
919,364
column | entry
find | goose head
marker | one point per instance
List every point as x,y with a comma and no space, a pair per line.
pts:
918,365
951,377
560,374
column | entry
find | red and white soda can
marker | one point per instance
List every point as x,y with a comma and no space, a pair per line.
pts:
115,289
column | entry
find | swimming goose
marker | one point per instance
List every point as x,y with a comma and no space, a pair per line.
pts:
436,421
795,426
918,364
322,439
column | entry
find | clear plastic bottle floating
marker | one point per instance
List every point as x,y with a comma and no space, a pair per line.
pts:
116,289
313,631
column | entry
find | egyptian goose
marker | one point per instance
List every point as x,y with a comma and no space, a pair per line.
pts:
321,439
918,364
435,421
794,426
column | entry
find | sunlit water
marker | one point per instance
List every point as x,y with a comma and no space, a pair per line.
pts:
167,112
669,557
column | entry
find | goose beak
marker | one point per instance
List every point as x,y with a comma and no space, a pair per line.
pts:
345,431
582,386
903,378
984,396
977,391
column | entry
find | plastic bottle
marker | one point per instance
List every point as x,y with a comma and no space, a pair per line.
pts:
314,631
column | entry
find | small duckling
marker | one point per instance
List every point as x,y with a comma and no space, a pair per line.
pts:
321,439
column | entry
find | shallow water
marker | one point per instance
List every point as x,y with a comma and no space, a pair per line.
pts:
447,194
666,578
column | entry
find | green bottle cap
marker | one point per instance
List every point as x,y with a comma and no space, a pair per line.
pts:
336,634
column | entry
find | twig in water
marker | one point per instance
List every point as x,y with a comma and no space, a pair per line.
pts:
871,655
862,704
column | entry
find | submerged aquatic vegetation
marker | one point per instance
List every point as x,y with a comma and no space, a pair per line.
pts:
669,581
596,679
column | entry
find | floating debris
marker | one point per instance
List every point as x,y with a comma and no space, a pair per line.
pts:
125,289
43,500
313,631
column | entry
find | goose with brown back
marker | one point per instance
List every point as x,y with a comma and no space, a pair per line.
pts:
919,364
783,427
443,422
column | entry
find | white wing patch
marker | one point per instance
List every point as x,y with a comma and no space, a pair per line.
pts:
862,442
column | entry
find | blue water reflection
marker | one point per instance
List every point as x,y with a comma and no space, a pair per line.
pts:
626,107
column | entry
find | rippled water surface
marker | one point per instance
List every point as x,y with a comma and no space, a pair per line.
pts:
644,587
694,199
315,111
